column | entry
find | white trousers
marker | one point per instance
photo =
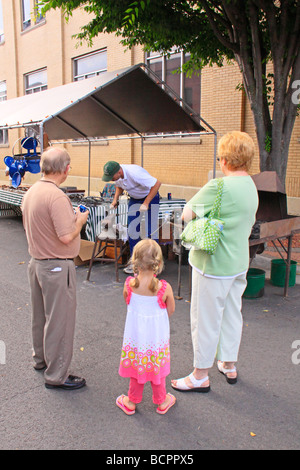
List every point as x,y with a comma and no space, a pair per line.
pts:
216,318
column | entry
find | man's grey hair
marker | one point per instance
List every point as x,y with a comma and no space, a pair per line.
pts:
54,160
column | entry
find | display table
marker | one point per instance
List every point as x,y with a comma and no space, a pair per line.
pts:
11,199
99,212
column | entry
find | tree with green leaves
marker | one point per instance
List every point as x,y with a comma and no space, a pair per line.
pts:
256,34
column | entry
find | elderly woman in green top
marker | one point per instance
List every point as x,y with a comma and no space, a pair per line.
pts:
219,280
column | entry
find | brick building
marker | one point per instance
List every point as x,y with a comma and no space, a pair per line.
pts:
37,53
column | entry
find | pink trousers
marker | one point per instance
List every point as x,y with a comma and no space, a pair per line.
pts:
135,392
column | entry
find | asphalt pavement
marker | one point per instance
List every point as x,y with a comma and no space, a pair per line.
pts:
260,412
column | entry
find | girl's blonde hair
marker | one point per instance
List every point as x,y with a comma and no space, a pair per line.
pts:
147,256
237,148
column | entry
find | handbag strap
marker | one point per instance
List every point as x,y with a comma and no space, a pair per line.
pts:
216,210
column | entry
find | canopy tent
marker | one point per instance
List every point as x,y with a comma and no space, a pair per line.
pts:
127,102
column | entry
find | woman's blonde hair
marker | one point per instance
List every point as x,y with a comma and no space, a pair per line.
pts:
237,148
54,160
147,256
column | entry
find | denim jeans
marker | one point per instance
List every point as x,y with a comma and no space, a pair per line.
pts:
151,221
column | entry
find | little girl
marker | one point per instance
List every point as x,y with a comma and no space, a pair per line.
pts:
146,344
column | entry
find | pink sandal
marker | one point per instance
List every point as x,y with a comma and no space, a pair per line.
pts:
172,402
120,404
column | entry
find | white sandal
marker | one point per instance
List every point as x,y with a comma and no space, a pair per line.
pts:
181,386
224,371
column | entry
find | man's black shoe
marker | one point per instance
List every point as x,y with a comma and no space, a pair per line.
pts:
72,383
40,369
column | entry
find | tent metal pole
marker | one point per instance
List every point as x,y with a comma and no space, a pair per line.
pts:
142,151
89,175
41,138
215,154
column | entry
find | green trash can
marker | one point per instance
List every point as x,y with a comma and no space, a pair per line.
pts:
278,270
255,283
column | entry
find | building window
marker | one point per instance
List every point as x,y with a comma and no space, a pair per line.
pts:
89,65
26,20
3,97
3,91
38,17
36,81
1,24
164,67
29,19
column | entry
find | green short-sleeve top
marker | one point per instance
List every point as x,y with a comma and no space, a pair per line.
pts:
238,210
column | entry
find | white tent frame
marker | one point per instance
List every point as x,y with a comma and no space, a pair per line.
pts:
207,130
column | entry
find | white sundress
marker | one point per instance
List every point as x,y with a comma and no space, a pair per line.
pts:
146,343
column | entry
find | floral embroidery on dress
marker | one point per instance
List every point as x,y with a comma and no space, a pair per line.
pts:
152,360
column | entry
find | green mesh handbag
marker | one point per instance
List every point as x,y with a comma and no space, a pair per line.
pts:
204,233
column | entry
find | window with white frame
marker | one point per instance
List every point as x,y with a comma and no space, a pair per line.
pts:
3,97
3,91
164,66
37,8
36,81
31,13
26,17
89,65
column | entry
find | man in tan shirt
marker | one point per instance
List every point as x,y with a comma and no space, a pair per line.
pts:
53,234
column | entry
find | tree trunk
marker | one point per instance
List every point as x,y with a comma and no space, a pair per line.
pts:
273,139
273,132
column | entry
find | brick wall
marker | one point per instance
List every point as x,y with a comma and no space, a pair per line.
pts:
185,163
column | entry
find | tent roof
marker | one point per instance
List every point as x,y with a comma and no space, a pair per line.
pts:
115,103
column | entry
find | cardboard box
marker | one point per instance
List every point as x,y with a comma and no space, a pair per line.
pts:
85,253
